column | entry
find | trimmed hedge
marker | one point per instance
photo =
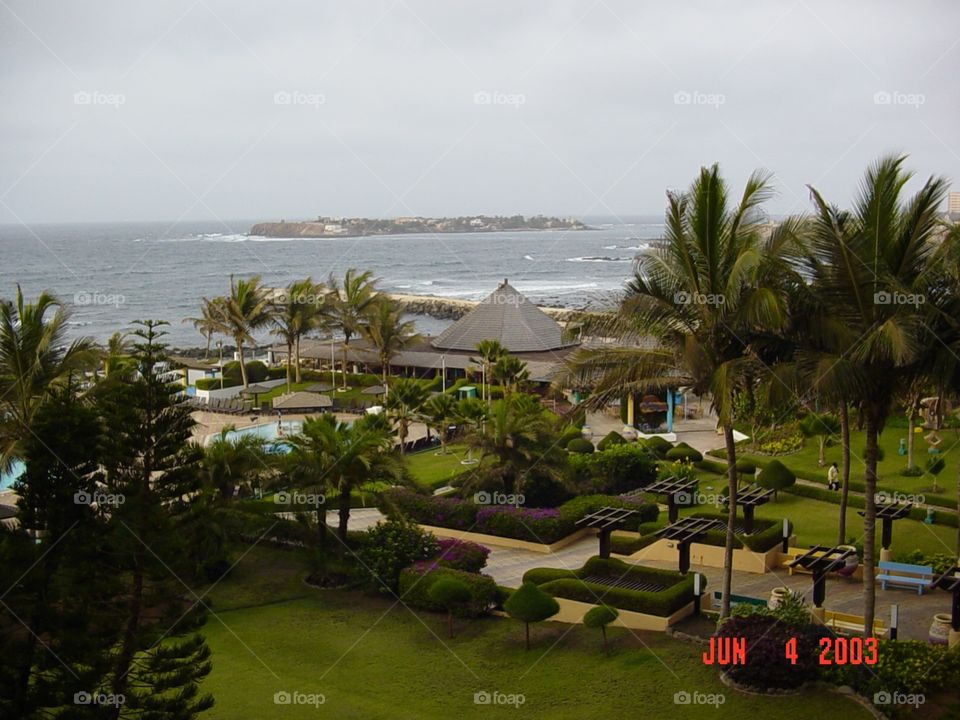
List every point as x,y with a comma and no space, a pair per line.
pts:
416,581
658,445
682,451
610,439
214,383
567,584
579,445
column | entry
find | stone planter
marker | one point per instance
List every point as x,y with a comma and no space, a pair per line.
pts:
777,595
940,629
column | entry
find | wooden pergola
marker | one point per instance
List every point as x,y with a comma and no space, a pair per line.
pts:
749,500
672,487
820,560
886,514
606,520
686,531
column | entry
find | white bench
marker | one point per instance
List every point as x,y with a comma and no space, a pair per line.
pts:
905,575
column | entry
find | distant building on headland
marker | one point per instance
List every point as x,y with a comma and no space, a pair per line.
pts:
953,206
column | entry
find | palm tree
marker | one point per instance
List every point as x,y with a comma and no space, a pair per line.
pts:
872,268
404,403
350,304
509,372
388,332
116,355
822,427
518,435
702,296
35,361
341,456
294,313
206,324
246,309
233,463
438,412
471,413
490,351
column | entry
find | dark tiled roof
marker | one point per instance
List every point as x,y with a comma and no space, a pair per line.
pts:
508,317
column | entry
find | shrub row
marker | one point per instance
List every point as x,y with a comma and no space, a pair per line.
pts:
857,502
416,581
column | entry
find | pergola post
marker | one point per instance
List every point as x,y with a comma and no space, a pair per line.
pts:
886,533
748,519
605,543
673,511
684,548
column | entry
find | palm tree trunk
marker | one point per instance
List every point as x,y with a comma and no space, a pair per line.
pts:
845,487
731,519
870,521
346,342
206,353
297,350
289,361
322,524
344,514
243,365
910,440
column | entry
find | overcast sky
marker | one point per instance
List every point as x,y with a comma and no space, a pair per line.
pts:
209,109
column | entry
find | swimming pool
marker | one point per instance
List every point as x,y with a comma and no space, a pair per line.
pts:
7,479
267,432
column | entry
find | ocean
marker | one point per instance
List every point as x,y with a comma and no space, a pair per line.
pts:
111,274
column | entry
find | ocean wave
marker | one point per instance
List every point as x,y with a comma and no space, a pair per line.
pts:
599,258
528,257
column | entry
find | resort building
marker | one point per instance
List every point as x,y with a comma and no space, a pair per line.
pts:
506,316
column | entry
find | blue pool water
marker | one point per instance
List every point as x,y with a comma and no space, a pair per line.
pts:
269,432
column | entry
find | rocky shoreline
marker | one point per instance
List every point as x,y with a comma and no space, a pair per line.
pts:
455,308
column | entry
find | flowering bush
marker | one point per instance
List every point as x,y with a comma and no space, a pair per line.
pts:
540,525
462,555
446,512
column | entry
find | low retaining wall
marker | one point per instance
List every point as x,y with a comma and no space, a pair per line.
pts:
231,392
504,542
710,556
572,612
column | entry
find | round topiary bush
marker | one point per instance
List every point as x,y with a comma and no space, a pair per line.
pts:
451,594
600,617
579,445
610,439
658,445
682,451
776,476
567,435
256,371
530,604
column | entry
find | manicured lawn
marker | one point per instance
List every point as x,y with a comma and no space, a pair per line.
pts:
372,659
804,461
430,469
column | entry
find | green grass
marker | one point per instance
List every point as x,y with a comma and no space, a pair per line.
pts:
432,470
804,461
373,659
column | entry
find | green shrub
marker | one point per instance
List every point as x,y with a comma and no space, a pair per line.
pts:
625,545
610,439
416,582
578,507
214,383
530,604
658,445
580,445
746,466
568,435
618,469
682,451
391,546
451,594
600,617
256,371
776,476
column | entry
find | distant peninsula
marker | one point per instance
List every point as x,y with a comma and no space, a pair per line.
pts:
331,227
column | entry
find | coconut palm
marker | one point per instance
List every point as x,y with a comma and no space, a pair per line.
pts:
206,323
510,372
404,404
116,355
872,267
238,315
327,453
294,313
388,332
822,427
489,351
470,413
231,464
702,297
438,412
35,361
350,305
